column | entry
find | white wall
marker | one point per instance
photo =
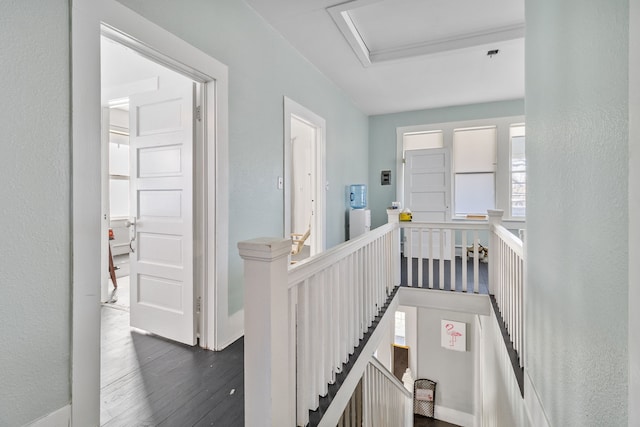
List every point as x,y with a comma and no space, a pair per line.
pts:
634,212
577,209
35,168
452,370
263,68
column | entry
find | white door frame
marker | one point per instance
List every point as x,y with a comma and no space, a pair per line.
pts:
87,20
292,108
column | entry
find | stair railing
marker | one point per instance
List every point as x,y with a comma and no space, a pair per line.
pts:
386,401
303,322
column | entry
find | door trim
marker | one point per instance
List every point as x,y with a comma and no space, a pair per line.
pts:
292,108
218,328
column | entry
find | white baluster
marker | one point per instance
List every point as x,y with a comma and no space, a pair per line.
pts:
408,245
476,260
420,257
441,264
464,261
430,255
452,263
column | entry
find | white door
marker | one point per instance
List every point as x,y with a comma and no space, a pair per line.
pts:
427,176
301,124
161,147
303,177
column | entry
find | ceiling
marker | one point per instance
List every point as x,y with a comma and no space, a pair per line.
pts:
402,55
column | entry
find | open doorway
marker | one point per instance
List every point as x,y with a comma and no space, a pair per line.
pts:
305,183
150,115
115,171
90,20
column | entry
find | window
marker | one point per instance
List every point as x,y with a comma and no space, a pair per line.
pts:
400,329
422,140
474,163
118,173
518,171
484,162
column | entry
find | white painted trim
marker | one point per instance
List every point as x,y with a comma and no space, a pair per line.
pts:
453,416
58,418
292,108
342,19
87,17
477,372
533,405
233,330
462,41
445,300
340,15
105,217
86,202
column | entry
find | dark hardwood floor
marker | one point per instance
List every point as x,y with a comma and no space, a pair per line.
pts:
420,421
150,381
483,278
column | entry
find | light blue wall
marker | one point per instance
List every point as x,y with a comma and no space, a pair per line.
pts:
383,144
263,68
35,262
634,212
577,148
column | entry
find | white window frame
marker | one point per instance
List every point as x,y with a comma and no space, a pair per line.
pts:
503,159
454,172
524,134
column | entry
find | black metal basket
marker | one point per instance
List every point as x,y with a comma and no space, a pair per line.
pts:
424,397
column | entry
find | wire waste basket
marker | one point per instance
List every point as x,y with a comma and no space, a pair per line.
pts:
424,397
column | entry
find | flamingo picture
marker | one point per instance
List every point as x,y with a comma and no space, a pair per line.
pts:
453,330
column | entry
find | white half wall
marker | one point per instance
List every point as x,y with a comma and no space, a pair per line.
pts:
502,404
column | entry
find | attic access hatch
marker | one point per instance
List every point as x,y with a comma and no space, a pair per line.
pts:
379,31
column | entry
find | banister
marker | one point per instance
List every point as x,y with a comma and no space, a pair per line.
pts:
358,366
303,322
306,268
396,382
466,225
509,239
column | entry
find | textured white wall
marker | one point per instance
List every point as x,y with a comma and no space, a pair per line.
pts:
452,370
577,165
502,404
34,171
634,212
263,68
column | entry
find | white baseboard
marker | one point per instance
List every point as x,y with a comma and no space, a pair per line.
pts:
234,329
453,416
533,405
58,418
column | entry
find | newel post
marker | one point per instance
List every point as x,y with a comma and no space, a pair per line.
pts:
267,398
495,218
393,217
